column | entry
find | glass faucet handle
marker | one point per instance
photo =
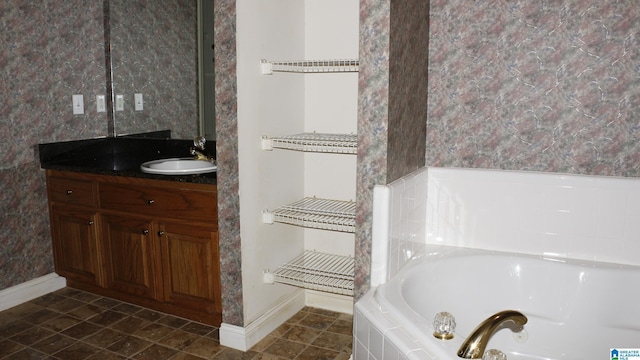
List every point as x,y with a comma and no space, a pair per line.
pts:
199,142
494,354
444,324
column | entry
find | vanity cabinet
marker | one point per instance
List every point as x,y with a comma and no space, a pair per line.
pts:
129,249
75,219
149,242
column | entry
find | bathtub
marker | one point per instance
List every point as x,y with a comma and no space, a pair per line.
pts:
576,309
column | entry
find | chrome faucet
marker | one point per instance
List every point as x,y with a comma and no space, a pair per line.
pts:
475,344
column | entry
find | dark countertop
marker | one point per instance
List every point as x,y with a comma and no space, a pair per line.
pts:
121,156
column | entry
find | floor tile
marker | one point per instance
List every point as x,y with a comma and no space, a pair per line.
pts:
204,347
155,352
285,348
107,355
107,318
77,351
71,324
333,341
60,323
130,324
105,338
40,316
301,334
198,329
343,327
81,330
129,346
179,339
26,354
8,347
31,335
316,353
86,311
53,344
317,321
153,332
13,328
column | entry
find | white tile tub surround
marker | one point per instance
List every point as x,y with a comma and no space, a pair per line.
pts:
399,224
581,217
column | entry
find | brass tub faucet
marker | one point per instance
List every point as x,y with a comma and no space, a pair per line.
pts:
475,344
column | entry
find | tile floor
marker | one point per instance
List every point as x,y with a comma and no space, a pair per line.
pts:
70,325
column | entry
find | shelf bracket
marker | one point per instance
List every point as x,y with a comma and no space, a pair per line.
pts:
267,143
267,217
266,67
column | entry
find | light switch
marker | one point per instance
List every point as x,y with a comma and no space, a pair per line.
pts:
119,102
78,105
137,98
101,105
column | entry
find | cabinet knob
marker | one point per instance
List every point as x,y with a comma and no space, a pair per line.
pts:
90,222
160,233
149,202
145,231
69,192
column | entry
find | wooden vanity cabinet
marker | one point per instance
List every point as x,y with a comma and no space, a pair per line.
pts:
75,222
149,242
191,254
129,252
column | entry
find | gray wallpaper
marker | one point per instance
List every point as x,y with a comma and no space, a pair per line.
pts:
154,52
49,50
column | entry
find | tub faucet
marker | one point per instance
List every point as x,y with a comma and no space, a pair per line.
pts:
475,344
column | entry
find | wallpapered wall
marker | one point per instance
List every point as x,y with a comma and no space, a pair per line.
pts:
535,85
154,52
50,50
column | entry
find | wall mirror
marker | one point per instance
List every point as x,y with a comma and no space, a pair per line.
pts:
163,50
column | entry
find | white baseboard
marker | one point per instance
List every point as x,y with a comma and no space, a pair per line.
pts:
243,338
328,301
30,290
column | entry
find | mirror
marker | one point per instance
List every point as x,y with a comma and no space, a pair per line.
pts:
156,48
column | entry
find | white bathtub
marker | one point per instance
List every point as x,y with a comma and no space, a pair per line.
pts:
576,309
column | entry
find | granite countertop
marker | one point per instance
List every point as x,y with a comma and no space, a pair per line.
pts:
121,156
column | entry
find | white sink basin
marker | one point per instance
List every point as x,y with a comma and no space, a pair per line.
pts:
178,166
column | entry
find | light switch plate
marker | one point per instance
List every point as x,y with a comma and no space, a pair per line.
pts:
101,103
138,102
78,105
119,102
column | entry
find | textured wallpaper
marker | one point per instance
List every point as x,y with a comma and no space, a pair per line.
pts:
535,85
49,50
227,156
154,52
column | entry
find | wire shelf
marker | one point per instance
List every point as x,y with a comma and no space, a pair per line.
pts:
314,142
319,271
311,212
310,66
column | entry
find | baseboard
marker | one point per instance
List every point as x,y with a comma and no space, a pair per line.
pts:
243,338
30,290
328,301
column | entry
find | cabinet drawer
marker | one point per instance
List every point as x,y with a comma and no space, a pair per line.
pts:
77,192
172,203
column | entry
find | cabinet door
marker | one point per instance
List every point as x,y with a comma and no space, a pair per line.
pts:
191,268
75,243
131,255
